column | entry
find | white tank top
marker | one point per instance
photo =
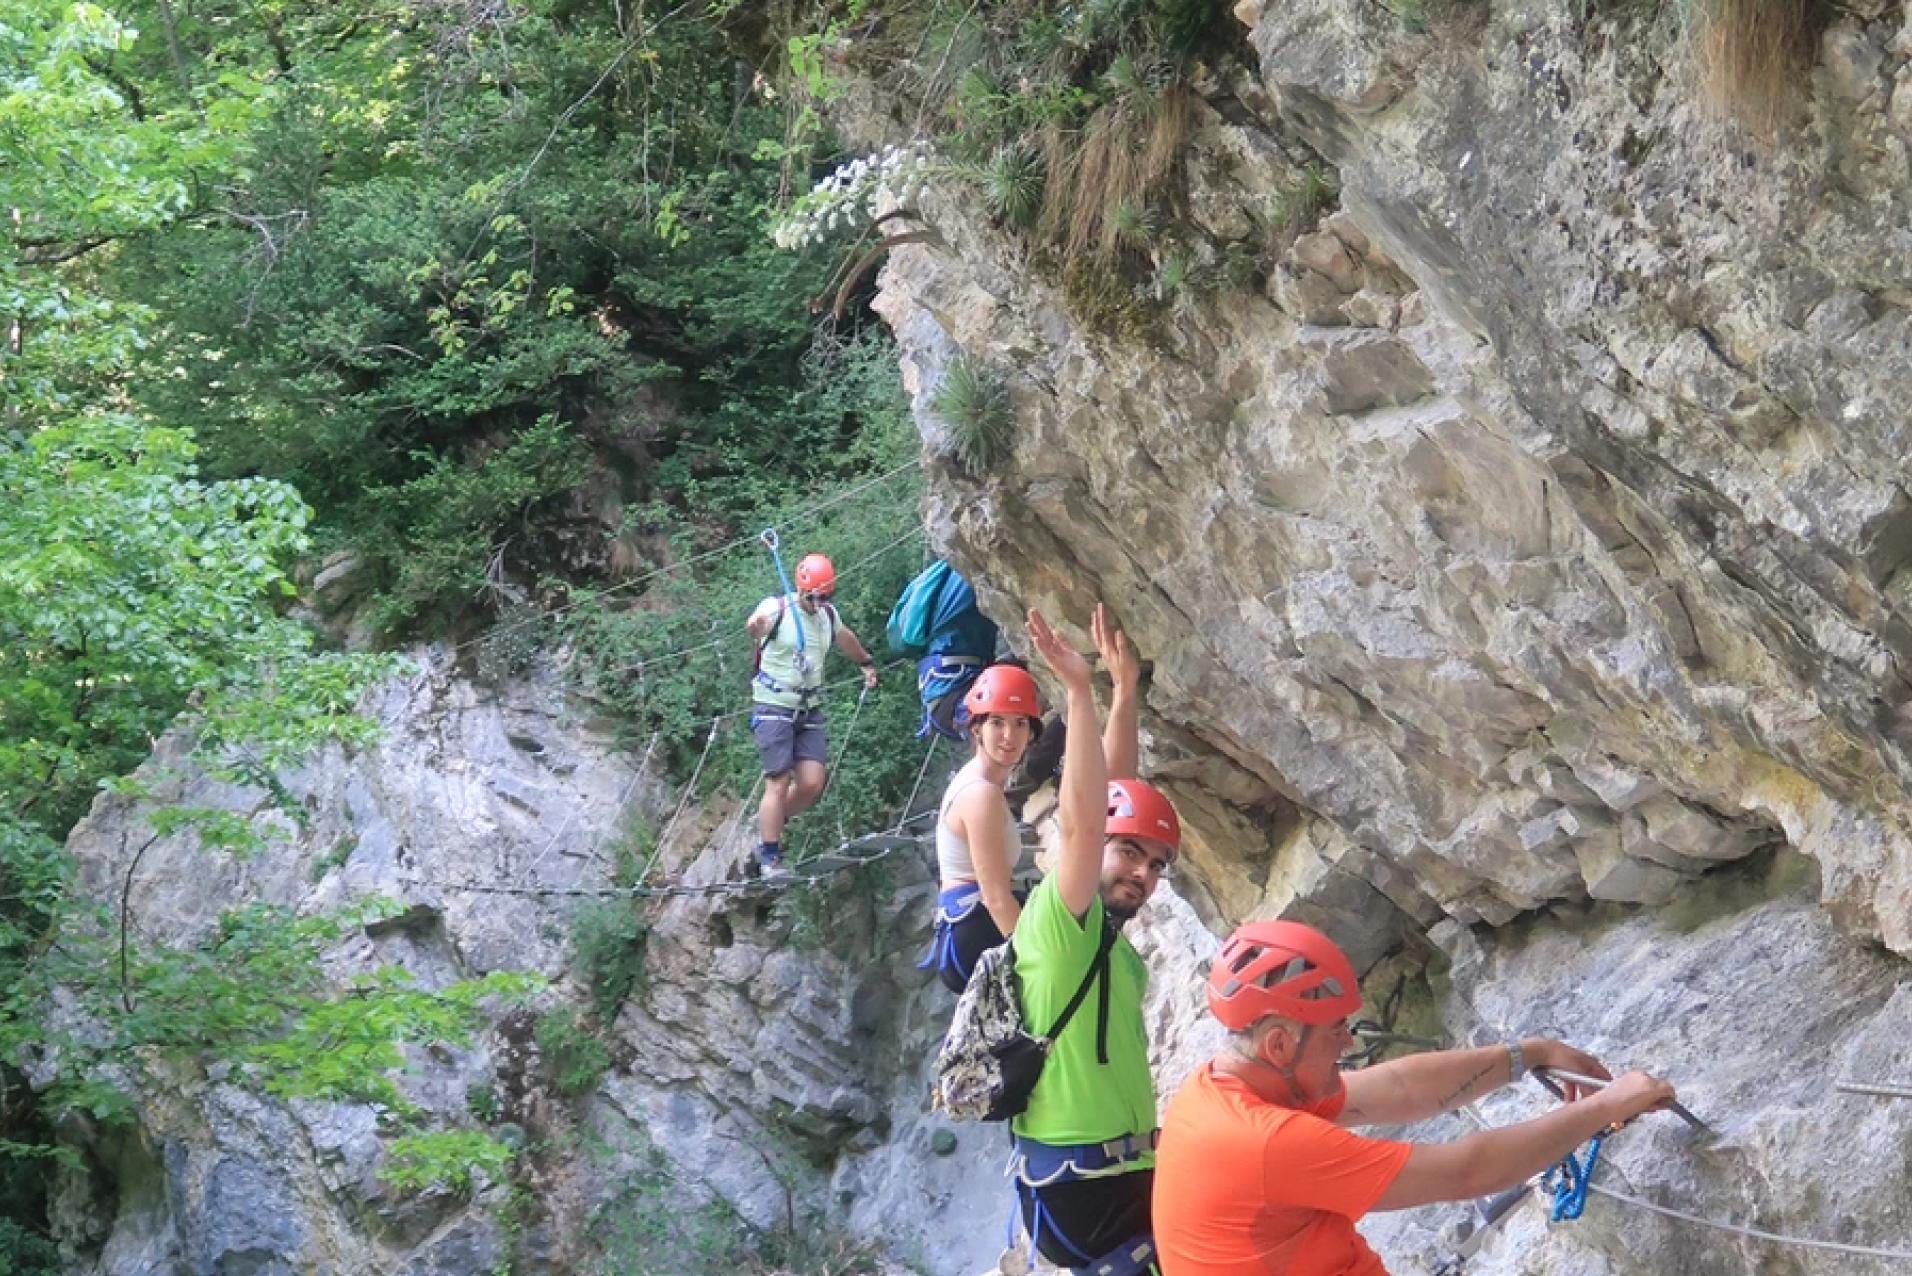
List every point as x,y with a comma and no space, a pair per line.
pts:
952,851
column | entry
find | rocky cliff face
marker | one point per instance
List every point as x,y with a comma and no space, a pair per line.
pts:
762,1097
1524,575
770,1045
1525,564
1538,534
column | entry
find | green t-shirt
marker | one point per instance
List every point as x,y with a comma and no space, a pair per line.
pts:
1078,1100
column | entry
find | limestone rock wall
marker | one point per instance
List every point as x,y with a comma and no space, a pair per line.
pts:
1538,533
780,1037
1523,565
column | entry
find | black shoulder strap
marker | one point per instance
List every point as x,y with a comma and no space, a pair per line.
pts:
775,625
1100,966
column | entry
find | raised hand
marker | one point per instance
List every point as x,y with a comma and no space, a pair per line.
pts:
1118,657
1063,660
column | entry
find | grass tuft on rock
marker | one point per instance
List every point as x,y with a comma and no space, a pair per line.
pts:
1753,57
973,402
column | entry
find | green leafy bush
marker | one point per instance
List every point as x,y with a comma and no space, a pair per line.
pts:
25,1253
452,1159
574,1050
608,940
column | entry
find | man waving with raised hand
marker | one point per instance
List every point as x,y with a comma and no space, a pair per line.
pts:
1085,1145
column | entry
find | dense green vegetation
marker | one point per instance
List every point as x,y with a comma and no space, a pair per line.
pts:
1069,123
482,296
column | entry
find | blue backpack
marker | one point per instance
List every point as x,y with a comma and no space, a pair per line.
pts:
937,621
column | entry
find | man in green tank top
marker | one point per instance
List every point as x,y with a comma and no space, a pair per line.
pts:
1085,1146
793,636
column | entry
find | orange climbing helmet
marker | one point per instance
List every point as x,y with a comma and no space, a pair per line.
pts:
1139,810
1281,968
1004,689
815,575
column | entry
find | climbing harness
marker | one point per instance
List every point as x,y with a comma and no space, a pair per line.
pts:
1133,1256
1568,1182
940,684
1044,1164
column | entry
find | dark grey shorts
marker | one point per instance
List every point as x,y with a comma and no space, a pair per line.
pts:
786,737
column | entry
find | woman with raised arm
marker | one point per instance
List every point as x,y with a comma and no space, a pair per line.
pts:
978,846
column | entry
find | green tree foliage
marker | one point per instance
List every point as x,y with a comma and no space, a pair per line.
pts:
126,586
135,596
483,294
467,253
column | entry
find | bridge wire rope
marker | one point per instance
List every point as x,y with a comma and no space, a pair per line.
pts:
801,516
643,662
638,890
1737,1229
710,740
1754,1233
683,800
624,797
893,839
843,750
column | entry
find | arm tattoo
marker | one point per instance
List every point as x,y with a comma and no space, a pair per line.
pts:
1464,1087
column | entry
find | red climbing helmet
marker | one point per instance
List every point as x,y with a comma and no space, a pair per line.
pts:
1004,689
815,574
1139,810
1281,968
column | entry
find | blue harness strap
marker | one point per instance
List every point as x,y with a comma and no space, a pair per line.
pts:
937,679
952,906
1041,1164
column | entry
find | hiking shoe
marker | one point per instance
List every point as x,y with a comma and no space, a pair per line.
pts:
772,866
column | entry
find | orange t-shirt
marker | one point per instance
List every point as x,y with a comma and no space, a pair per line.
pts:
1244,1187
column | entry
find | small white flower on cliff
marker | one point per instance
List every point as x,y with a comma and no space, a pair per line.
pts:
854,193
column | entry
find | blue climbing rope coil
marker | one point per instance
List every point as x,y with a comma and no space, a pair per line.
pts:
1568,1183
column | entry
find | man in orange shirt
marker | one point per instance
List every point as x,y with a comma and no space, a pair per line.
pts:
1257,1175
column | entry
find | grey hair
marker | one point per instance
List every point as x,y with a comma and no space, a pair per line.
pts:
1246,1042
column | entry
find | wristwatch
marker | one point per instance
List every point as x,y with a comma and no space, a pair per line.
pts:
1516,1066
